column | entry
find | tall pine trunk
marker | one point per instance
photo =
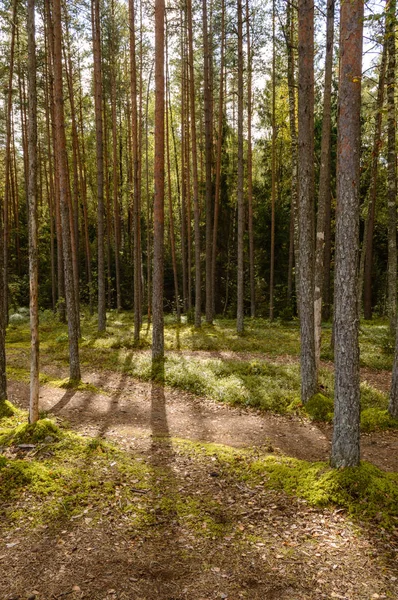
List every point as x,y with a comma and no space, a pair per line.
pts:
198,316
324,196
208,164
96,28
240,198
345,444
59,118
158,212
33,217
306,197
392,169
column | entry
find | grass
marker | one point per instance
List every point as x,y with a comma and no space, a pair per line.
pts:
257,382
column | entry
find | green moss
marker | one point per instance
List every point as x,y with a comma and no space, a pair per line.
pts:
320,408
6,409
27,433
375,418
365,492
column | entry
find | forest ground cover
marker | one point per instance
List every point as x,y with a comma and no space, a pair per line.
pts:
193,497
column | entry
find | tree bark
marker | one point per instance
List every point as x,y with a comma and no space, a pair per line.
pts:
306,197
158,212
392,169
273,174
63,189
346,434
240,199
136,186
249,163
366,261
96,28
33,217
324,196
208,164
293,145
198,317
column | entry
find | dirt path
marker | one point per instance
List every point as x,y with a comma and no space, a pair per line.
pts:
125,412
263,544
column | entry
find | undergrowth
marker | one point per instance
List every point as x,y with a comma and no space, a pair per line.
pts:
64,475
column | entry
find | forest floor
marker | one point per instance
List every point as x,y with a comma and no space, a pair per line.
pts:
194,498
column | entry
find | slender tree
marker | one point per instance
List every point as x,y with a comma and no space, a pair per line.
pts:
33,217
306,196
249,159
240,198
96,29
366,261
273,172
59,121
158,211
346,445
324,195
198,313
3,378
208,162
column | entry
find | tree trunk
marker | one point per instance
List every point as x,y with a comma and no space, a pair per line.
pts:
366,262
3,378
158,211
249,163
392,170
63,189
273,174
96,27
306,197
345,445
136,186
293,144
198,317
33,217
208,164
324,196
115,175
240,199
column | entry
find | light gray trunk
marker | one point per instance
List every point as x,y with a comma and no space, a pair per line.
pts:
324,182
306,197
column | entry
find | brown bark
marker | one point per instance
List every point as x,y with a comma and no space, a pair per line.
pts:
250,165
184,166
33,218
306,197
273,174
158,212
345,445
115,165
208,163
59,120
366,262
136,186
391,169
293,144
96,27
240,199
324,195
219,155
194,168
7,163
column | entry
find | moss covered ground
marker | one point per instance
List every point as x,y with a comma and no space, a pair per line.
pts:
259,369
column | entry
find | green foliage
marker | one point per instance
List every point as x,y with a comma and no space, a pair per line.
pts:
6,409
34,433
375,418
365,492
320,408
